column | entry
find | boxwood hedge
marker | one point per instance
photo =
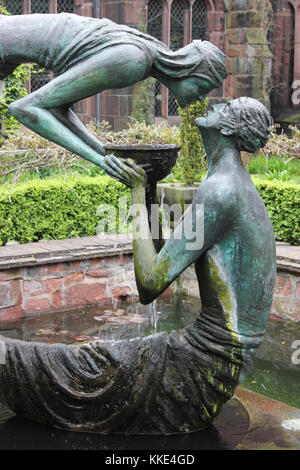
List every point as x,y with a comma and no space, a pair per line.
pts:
58,208
283,203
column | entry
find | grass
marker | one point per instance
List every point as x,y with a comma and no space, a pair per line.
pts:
275,168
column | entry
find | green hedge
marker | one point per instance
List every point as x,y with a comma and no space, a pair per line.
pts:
57,209
283,203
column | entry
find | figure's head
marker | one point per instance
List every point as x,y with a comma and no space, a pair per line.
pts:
245,119
192,71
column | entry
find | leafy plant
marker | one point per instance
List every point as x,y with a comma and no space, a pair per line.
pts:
136,133
191,163
143,101
12,89
56,208
283,204
282,169
64,207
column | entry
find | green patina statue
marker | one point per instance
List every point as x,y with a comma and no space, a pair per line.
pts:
88,56
169,382
177,381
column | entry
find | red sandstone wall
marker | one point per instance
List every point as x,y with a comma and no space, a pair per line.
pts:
64,286
282,48
286,300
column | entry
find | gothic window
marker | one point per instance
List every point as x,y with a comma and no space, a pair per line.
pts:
15,7
199,20
154,28
154,19
67,6
39,6
187,20
177,25
176,42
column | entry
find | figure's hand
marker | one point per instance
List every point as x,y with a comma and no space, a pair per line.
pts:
126,171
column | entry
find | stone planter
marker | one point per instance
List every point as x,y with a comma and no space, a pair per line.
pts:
176,193
162,159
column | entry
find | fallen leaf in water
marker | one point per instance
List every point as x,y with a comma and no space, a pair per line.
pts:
99,318
83,338
45,332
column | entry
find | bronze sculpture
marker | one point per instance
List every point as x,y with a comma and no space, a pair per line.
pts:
174,381
170,382
88,56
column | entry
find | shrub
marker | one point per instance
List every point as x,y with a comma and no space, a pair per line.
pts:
136,133
143,101
283,204
56,209
13,89
191,162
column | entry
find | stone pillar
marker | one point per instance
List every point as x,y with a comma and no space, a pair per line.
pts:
166,39
249,58
216,35
52,6
296,5
26,7
84,108
116,104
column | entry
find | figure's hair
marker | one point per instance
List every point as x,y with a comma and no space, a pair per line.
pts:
199,58
250,122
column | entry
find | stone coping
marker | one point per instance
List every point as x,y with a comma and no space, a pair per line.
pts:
71,249
288,257
60,251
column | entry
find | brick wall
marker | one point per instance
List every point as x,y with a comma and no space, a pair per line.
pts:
64,286
249,59
286,299
116,104
282,47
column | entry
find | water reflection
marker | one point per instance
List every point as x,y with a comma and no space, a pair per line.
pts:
228,430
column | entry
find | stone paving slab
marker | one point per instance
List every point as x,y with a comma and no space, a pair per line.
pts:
288,252
273,425
54,251
12,255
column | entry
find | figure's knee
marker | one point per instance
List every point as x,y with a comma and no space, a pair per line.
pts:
21,109
17,108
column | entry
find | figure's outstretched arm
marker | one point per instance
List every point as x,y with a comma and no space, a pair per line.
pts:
207,219
46,111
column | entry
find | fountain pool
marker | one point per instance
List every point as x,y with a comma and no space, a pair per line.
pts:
273,374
